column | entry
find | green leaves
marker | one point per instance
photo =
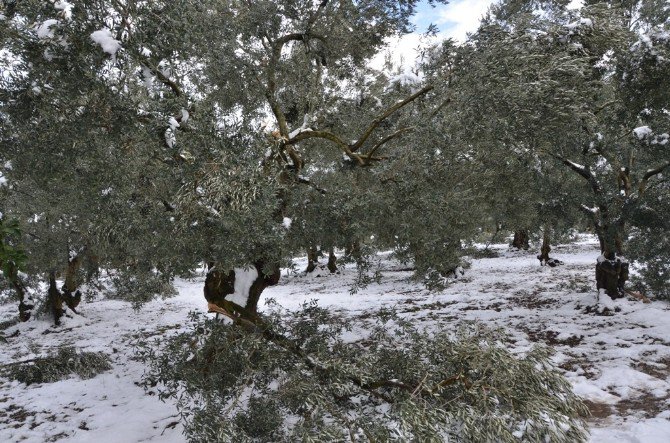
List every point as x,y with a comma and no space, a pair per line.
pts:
12,256
301,378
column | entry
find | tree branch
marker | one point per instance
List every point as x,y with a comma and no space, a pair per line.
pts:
387,139
271,86
583,171
165,80
376,122
327,136
649,174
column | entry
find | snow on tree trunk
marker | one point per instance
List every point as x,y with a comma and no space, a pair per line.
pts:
241,286
71,295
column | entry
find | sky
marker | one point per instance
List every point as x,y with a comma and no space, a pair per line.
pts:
454,21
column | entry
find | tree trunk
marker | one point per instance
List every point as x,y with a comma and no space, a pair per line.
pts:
221,291
332,261
312,259
612,269
546,248
520,240
611,275
25,308
71,295
54,299
353,250
92,265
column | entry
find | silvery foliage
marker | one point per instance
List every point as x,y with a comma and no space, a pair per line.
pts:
299,378
123,134
582,91
59,364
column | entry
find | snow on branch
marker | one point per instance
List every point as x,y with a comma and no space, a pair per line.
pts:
108,43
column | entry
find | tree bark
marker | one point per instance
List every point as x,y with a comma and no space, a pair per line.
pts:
71,295
611,275
332,261
312,259
219,284
546,248
54,299
25,309
520,240
612,269
353,250
262,282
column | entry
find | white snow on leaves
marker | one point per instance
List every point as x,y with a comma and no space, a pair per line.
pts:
45,29
642,132
405,79
171,132
106,41
65,7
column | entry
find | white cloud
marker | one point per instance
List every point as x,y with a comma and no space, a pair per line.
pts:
454,20
459,17
402,51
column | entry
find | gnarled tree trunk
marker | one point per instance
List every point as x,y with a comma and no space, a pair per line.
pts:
521,240
25,307
238,291
332,261
71,295
312,259
612,269
545,249
54,299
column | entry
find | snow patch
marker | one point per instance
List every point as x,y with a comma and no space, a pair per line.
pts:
405,79
65,7
605,301
147,77
45,31
108,43
585,22
244,278
642,131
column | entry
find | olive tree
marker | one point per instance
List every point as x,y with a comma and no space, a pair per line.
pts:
582,89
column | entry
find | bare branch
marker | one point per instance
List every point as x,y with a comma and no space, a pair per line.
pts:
583,171
376,122
271,86
649,174
165,80
387,139
327,136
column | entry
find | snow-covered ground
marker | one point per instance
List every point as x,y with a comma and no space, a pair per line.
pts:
618,359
